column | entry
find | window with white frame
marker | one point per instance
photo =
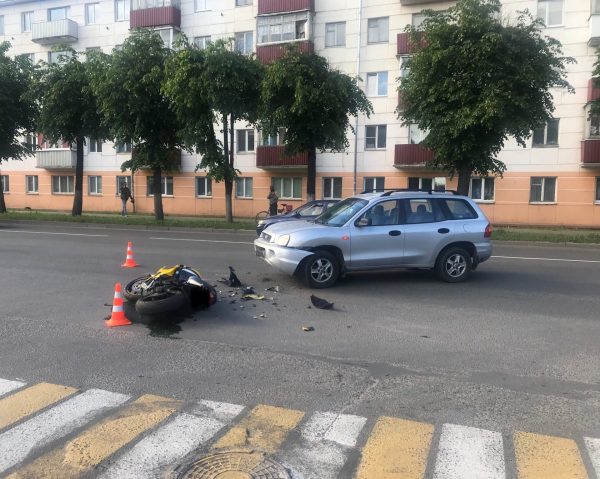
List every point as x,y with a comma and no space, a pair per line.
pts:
404,66
95,185
166,185
5,183
551,12
202,42
91,13
245,141
543,189
374,183
377,83
58,13
63,184
428,184
378,30
122,9
31,142
26,20
273,139
418,19
375,136
30,57
123,147
200,5
288,188
593,126
597,199
546,135
31,184
415,134
203,186
244,42
282,28
335,34
122,180
57,57
95,145
243,188
332,188
482,189
242,3
1,24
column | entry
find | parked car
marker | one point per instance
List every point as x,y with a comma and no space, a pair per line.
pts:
381,231
307,211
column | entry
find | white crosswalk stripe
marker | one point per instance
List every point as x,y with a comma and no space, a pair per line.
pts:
174,440
7,386
593,447
17,443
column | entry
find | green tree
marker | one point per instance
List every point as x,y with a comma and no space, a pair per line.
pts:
69,111
475,81
127,84
18,111
313,102
213,84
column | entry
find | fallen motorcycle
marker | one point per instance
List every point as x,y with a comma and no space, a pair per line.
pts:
169,289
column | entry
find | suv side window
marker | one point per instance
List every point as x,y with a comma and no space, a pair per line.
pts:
383,213
459,209
421,210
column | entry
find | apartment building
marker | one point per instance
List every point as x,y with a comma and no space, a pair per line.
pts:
555,180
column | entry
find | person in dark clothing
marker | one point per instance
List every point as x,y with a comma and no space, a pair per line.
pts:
273,198
125,195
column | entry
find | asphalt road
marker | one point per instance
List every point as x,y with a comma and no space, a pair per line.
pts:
516,347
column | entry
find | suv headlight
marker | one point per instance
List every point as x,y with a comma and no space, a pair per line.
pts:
283,240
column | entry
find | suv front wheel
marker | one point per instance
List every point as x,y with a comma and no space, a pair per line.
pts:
453,265
321,270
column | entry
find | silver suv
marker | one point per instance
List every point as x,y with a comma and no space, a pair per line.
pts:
382,231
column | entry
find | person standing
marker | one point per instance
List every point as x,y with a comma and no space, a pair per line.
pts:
273,198
125,195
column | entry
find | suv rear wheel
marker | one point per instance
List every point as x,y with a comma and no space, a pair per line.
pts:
453,265
321,270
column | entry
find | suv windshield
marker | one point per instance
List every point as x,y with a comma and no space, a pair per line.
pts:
340,213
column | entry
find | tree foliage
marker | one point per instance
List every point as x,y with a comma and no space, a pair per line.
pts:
313,102
475,81
17,111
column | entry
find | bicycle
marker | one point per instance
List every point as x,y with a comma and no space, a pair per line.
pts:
261,215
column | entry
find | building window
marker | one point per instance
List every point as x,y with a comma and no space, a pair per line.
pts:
404,66
59,13
378,30
244,42
31,184
415,134
428,184
1,24
335,34
594,125
91,13
377,84
332,188
242,3
123,180
273,139
200,5
374,183
482,189
375,136
418,19
26,20
5,183
57,57
62,184
546,135
95,185
288,188
595,7
31,142
543,189
551,12
245,140
202,42
597,190
243,188
282,28
122,9
123,147
166,185
203,186
95,145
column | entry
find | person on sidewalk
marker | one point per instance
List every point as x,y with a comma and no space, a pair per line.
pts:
273,198
125,195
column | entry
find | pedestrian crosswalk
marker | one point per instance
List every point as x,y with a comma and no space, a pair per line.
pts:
55,431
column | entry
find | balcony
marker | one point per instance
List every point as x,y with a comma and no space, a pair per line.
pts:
168,15
590,153
404,45
418,2
56,159
594,38
273,157
411,156
58,31
267,7
269,53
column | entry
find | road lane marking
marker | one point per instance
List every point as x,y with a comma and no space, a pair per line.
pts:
82,454
547,457
469,452
202,240
7,386
24,403
57,422
549,259
173,441
396,449
264,428
50,233
593,447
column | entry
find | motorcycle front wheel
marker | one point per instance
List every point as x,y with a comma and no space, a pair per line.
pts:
133,290
160,303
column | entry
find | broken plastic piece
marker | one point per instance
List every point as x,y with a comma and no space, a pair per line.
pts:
233,279
246,297
307,328
273,288
320,302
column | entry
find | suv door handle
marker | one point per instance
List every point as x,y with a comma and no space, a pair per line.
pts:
395,233
443,230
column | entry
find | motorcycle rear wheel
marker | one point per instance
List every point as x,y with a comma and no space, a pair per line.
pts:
132,291
160,303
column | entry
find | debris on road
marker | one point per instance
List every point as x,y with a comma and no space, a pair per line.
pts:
307,328
273,288
320,302
233,280
258,297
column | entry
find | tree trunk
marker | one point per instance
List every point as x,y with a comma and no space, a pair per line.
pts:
78,198
158,206
464,178
2,203
228,180
311,180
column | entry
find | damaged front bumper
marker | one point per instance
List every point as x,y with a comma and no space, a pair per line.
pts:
280,257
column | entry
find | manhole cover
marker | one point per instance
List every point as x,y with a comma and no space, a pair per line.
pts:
234,465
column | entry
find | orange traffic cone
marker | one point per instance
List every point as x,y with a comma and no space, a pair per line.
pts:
129,261
118,317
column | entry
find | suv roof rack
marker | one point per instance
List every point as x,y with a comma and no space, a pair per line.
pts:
397,190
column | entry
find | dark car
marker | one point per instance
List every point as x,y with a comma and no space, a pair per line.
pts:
307,211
